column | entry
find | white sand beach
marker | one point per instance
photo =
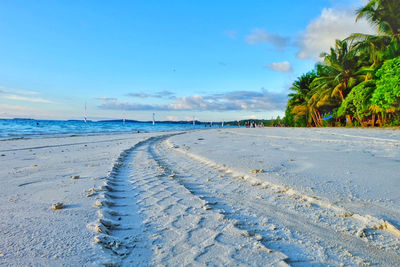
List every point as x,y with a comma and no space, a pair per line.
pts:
221,197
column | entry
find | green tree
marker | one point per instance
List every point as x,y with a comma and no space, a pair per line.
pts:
297,111
386,97
384,14
341,70
357,103
372,51
359,77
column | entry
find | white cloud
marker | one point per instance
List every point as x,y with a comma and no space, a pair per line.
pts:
280,66
106,98
187,103
29,99
22,95
12,107
322,32
17,91
249,117
159,94
25,92
172,118
262,36
229,101
231,34
15,111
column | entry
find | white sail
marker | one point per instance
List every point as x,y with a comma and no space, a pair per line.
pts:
154,119
85,117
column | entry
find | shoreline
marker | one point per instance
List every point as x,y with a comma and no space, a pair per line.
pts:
394,128
14,129
76,135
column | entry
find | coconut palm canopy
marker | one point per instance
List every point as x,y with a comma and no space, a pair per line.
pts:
358,81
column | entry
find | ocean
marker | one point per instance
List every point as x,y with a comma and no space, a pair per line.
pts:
27,128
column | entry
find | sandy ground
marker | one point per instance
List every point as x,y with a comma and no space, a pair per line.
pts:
36,173
226,197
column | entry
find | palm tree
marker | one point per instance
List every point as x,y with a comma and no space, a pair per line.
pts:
298,103
301,87
320,102
341,70
384,14
372,50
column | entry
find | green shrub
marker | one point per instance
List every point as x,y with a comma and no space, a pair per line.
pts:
387,93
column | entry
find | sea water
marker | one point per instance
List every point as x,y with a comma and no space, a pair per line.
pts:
27,128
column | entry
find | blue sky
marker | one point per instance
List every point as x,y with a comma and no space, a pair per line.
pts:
215,60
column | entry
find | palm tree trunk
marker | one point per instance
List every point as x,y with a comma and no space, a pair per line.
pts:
373,119
319,118
314,118
383,119
341,95
349,121
360,120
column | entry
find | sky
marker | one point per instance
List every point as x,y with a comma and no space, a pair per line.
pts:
214,60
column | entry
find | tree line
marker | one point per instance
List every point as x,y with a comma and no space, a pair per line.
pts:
358,81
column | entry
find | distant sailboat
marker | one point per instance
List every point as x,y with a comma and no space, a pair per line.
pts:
123,118
194,122
85,117
154,119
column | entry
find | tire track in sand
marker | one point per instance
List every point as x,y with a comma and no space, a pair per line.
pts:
120,227
309,231
147,217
